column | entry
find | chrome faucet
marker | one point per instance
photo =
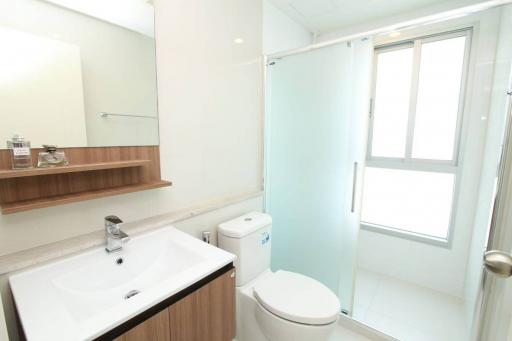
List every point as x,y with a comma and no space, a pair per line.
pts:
115,237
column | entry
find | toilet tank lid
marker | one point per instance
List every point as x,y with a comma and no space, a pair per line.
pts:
245,225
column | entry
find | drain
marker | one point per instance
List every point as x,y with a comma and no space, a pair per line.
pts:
131,293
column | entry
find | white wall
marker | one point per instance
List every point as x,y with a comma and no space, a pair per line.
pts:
440,268
501,83
280,32
210,104
118,69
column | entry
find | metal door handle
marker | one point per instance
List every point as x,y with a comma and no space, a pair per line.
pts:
354,188
499,263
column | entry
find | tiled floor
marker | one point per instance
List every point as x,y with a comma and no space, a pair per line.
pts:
407,311
344,334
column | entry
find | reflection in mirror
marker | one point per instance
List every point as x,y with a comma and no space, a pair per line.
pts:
77,73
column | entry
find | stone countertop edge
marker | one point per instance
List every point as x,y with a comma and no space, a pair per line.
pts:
48,252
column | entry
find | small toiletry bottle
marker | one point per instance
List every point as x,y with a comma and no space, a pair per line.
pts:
20,152
51,157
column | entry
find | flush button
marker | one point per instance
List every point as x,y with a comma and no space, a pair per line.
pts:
248,219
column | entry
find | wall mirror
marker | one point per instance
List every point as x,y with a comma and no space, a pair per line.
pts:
78,73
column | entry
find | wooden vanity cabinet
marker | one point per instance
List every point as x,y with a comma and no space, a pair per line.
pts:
205,313
155,328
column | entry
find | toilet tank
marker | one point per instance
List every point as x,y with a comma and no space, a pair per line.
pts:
249,238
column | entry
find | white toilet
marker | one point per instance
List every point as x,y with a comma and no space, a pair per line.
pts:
280,306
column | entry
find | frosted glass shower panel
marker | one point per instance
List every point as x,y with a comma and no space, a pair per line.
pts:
315,99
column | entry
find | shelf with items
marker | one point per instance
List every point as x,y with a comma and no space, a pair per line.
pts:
92,173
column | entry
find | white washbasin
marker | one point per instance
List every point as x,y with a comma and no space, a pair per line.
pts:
84,296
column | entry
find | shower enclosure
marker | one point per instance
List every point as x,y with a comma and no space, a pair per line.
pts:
316,124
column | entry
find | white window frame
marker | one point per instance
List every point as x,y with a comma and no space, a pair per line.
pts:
452,166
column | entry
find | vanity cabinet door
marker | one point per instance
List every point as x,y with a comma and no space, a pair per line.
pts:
154,329
207,313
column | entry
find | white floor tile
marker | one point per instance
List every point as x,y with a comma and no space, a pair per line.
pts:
344,334
367,286
407,311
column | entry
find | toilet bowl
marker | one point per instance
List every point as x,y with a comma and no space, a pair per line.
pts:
274,306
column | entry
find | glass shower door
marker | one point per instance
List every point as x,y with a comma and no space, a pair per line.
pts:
316,121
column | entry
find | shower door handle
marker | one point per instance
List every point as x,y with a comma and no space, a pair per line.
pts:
499,263
354,188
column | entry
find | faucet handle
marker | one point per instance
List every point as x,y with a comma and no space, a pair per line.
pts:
112,219
112,223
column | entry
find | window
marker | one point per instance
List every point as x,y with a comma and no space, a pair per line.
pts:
412,162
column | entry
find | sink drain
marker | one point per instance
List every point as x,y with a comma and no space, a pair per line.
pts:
131,293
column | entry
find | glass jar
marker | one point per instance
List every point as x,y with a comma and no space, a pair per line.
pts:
51,157
20,152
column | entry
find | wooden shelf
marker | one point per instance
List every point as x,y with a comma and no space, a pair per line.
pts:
93,173
26,205
19,173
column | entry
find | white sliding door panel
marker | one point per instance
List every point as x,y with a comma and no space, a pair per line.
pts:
316,131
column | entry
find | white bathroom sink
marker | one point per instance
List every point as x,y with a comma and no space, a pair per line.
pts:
82,297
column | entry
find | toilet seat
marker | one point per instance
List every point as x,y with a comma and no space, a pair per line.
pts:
297,298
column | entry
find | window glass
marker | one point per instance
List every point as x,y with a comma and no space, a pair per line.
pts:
391,107
415,201
437,105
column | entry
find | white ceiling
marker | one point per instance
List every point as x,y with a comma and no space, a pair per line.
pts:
135,15
322,16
